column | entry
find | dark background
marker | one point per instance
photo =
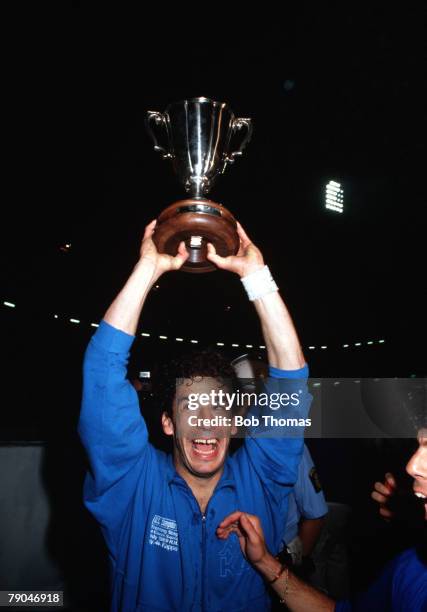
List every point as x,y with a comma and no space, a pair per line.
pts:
333,93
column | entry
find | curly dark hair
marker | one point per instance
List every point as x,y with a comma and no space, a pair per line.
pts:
205,363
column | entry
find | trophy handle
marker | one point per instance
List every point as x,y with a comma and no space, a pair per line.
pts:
238,124
154,117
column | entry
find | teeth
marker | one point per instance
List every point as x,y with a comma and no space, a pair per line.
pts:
203,441
420,495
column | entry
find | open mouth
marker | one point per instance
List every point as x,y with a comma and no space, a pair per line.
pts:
206,448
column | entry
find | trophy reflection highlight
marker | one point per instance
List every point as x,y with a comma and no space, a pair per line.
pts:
198,136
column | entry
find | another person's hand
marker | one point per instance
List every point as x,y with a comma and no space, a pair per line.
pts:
298,596
160,261
248,259
248,529
382,493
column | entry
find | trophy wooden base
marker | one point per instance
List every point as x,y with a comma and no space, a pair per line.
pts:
196,221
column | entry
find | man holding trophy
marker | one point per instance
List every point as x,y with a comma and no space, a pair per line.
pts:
159,513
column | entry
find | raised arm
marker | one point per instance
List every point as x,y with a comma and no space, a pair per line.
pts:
274,456
111,426
125,311
283,347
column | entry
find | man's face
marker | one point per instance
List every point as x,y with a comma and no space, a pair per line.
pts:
417,468
199,448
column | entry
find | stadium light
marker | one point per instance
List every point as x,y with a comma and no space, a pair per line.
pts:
334,197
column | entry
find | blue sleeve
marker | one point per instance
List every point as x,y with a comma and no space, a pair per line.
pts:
111,427
301,373
311,503
275,452
401,586
377,597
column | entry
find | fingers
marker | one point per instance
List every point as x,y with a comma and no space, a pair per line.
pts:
231,518
223,533
387,487
381,488
243,524
386,513
378,497
251,528
181,256
382,493
149,229
245,240
216,259
390,482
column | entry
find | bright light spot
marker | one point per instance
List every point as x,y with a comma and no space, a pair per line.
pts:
220,343
261,346
316,384
74,321
179,339
145,334
194,341
357,344
370,342
163,337
56,316
235,345
9,304
249,346
381,341
334,199
311,348
94,325
323,347
345,345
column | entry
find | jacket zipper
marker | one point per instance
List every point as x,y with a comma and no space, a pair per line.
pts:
203,558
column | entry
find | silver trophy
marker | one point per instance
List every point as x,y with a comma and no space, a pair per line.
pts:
198,135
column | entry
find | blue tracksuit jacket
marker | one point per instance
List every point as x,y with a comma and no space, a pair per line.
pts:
401,586
163,552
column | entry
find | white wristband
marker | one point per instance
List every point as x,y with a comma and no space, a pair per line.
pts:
259,283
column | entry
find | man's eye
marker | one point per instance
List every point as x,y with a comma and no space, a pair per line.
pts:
189,406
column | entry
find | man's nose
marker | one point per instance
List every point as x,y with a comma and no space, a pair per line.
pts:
207,412
414,466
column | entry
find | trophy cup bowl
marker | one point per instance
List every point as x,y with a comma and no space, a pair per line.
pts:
198,136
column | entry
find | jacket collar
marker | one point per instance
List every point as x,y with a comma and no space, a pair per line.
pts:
226,480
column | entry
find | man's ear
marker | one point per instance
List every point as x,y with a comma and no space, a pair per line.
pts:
167,424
